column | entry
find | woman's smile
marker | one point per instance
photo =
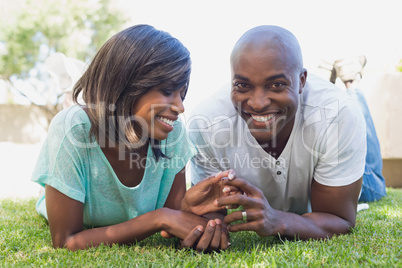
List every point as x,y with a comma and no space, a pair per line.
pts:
166,122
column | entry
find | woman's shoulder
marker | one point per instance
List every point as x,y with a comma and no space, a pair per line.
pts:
71,120
70,116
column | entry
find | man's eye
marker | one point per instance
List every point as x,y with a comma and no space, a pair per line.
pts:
277,85
241,85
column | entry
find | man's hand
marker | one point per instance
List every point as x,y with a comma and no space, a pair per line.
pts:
200,198
260,216
333,212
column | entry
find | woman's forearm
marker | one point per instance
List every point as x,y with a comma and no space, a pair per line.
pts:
175,222
131,231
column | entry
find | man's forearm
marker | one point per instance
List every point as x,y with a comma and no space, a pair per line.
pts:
315,225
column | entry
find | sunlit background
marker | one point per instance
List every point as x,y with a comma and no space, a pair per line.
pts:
326,30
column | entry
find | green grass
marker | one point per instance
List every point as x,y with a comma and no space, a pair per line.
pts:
375,242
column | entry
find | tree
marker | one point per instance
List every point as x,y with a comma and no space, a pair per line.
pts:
38,28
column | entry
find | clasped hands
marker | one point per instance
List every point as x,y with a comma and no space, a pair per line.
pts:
210,197
210,232
200,222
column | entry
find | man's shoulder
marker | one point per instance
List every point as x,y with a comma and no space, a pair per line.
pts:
319,92
319,88
322,103
324,108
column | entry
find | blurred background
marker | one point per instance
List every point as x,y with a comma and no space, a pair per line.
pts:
45,45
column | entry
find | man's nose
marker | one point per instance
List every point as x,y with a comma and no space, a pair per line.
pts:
259,100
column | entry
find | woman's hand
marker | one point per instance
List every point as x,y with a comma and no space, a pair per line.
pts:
195,232
214,238
200,198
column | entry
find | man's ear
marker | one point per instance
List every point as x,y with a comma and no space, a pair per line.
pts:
303,80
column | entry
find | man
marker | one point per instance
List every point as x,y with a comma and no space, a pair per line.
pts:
296,142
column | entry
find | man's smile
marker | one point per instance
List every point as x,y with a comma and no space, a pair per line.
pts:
263,118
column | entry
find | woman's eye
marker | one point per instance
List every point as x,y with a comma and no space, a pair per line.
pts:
183,94
166,92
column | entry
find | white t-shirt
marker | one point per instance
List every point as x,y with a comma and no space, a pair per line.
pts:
327,143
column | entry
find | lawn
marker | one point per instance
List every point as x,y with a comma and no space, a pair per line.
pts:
375,242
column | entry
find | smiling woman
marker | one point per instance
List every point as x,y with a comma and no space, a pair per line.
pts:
159,109
154,60
117,162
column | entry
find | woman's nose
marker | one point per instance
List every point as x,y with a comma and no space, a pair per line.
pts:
177,104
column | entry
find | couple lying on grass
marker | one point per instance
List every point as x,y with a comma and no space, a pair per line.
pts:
273,143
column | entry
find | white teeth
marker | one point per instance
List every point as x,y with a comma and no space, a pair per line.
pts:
167,121
262,118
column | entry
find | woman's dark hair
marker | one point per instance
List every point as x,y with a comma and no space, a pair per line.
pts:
125,68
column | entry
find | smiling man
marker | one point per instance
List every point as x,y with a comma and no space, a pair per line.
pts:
296,142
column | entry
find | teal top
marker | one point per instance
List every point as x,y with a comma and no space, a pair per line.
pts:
75,165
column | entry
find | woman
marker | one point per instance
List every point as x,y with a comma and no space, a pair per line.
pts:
117,163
